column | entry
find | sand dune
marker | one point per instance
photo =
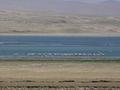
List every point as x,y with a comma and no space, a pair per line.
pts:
57,24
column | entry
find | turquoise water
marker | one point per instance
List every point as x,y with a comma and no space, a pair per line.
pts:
44,46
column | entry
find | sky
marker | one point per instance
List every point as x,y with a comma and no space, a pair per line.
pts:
104,0
102,7
89,0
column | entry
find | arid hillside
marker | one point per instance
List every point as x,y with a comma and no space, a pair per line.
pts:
57,24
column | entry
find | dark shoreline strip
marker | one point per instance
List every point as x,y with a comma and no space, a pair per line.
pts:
62,58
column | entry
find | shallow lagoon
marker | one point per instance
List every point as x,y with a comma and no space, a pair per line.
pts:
48,46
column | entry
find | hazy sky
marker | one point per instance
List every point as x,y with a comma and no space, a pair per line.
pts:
111,7
105,0
90,0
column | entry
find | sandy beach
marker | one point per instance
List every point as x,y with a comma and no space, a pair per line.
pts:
59,70
76,74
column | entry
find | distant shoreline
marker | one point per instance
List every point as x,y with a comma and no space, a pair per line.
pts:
57,58
57,34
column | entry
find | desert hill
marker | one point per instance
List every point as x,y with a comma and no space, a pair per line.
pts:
58,24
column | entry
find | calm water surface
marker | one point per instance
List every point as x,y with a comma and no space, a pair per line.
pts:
47,46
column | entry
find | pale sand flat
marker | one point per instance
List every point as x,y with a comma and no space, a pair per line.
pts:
58,74
59,70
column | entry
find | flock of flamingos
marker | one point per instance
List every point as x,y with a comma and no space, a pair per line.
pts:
59,54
